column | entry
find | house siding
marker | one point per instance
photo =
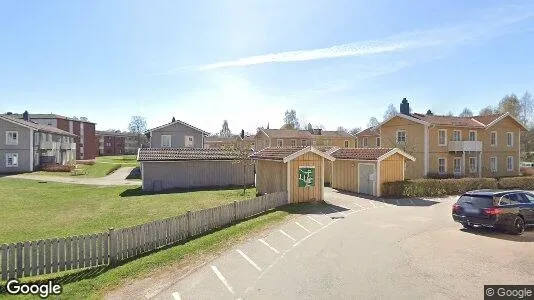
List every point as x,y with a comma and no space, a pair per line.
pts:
271,176
306,194
177,132
22,149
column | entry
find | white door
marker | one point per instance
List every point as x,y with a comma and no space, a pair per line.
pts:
367,179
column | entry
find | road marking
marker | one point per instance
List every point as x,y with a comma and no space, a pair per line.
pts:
309,217
176,296
269,246
372,203
249,259
300,225
360,206
222,279
287,235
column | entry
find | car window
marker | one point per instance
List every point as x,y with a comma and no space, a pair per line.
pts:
509,199
476,201
529,197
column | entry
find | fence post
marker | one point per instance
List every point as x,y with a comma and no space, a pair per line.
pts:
112,244
188,223
235,211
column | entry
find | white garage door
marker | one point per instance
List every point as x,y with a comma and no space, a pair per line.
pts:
367,179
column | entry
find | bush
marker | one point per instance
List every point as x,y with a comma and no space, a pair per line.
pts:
436,187
86,162
524,183
527,171
56,168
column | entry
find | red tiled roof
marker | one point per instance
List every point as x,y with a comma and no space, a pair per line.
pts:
487,119
360,153
275,153
177,154
449,121
304,134
368,132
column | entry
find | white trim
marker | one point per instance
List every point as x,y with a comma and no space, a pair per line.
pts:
404,168
31,150
288,188
365,143
202,140
377,183
170,141
12,154
476,121
332,150
511,134
512,164
476,164
293,142
372,164
426,153
405,117
281,144
393,151
378,142
346,143
454,171
469,135
306,150
496,165
459,136
445,138
445,165
397,136
16,141
181,123
496,139
519,152
322,180
504,116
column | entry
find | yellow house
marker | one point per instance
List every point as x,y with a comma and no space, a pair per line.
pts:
282,138
478,146
232,142
368,138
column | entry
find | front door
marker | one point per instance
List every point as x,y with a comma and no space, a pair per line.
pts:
366,179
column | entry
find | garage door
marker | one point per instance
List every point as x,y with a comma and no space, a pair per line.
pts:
366,178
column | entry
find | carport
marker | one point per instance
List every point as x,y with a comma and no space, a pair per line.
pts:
355,170
299,171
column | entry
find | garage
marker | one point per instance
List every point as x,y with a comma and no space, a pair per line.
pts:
364,170
298,171
188,168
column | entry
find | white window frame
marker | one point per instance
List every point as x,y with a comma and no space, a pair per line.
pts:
473,168
444,165
444,137
509,139
493,133
189,141
356,143
397,136
510,163
163,144
377,142
303,143
494,165
365,142
454,170
14,158
293,143
459,135
279,143
346,143
476,135
9,138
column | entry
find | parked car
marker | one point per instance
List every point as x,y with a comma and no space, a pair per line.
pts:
508,210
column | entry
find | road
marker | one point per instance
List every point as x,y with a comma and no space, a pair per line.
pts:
359,248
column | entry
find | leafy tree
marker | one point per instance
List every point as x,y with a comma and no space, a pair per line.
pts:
355,130
390,111
488,110
225,131
290,120
466,113
373,122
511,104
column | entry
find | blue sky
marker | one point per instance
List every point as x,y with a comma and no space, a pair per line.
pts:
337,63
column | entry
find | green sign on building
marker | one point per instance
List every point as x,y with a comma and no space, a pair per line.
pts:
306,176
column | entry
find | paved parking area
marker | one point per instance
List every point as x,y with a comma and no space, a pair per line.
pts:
362,248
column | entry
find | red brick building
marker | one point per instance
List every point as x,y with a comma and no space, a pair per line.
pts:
118,143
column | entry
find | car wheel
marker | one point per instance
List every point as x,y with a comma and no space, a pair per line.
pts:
468,225
518,226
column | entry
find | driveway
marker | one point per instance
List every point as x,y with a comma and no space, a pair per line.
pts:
359,248
116,178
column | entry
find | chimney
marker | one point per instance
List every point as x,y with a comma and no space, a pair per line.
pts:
405,107
9,113
317,131
26,116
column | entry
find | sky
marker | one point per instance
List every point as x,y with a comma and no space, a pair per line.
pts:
337,63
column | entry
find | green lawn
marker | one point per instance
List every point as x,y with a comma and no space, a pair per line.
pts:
125,160
31,210
103,166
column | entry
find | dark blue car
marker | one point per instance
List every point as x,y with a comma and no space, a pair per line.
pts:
508,210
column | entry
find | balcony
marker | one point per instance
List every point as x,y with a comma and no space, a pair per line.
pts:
50,145
68,146
461,146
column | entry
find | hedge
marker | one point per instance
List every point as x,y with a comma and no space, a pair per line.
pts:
442,187
56,168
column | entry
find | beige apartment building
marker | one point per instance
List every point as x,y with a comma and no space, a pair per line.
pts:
282,138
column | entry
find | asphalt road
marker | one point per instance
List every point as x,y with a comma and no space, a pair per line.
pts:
361,248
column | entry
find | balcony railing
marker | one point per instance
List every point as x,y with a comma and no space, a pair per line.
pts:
68,146
455,146
50,145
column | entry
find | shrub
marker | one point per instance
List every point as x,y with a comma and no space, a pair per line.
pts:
523,182
436,187
527,171
56,168
86,162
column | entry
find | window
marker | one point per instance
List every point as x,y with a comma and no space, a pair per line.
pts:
472,135
189,141
529,197
457,165
442,137
265,143
356,143
401,136
165,140
442,165
346,144
510,163
12,160
365,142
456,135
472,164
279,143
314,142
378,142
12,138
303,143
293,143
509,139
493,164
493,138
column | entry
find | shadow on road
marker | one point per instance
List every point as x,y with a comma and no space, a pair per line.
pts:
316,208
397,202
527,237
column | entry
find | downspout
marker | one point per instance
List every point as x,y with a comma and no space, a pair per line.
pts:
426,152
288,182
31,149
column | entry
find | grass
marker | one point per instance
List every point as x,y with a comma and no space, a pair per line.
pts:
93,284
32,210
103,166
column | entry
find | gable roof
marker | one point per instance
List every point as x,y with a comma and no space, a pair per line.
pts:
46,116
377,154
182,154
505,115
303,134
181,123
289,153
36,126
371,131
407,117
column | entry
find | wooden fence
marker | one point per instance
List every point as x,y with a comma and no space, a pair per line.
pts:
48,256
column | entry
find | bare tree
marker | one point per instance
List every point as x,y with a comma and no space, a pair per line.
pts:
450,114
225,131
466,113
290,120
342,129
511,104
488,110
390,111
242,156
373,122
137,125
527,107
355,130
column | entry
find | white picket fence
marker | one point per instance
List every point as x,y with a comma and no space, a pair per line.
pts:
48,256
